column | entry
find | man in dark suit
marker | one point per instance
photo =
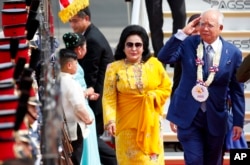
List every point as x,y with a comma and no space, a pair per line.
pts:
198,105
99,55
155,19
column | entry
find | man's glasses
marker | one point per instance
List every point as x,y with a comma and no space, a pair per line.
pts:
131,44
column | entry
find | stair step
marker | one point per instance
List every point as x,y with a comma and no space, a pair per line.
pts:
179,156
236,34
241,38
172,137
169,136
167,14
245,53
226,34
247,95
176,158
247,115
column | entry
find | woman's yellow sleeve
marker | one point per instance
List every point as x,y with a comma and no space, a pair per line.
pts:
109,95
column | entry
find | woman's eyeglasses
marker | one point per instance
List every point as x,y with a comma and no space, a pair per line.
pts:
131,44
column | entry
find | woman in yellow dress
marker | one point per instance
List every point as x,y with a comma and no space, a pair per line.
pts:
136,87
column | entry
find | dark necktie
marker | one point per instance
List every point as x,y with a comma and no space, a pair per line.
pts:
209,55
209,59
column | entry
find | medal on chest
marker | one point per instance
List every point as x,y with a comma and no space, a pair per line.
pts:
200,91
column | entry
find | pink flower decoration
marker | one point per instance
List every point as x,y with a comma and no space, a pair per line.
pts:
214,69
199,61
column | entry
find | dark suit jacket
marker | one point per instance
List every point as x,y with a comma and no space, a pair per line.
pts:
183,107
243,72
99,55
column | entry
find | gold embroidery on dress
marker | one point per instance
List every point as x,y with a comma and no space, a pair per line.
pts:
137,70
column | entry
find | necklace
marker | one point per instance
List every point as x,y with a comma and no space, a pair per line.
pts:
199,91
137,70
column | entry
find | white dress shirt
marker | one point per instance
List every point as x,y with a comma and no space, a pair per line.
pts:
71,96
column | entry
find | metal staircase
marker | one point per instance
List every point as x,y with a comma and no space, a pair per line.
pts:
236,22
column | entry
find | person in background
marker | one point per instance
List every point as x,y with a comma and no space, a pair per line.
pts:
72,99
243,72
177,68
33,125
77,43
198,105
94,64
156,20
136,87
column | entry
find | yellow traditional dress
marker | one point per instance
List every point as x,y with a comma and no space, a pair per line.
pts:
134,97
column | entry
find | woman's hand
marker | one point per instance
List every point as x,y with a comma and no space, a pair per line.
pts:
94,96
111,128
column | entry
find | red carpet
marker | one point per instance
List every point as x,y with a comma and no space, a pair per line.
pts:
181,162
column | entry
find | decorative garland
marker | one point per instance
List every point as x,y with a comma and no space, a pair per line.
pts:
212,70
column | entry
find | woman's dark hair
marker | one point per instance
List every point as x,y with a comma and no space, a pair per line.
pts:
128,31
73,40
